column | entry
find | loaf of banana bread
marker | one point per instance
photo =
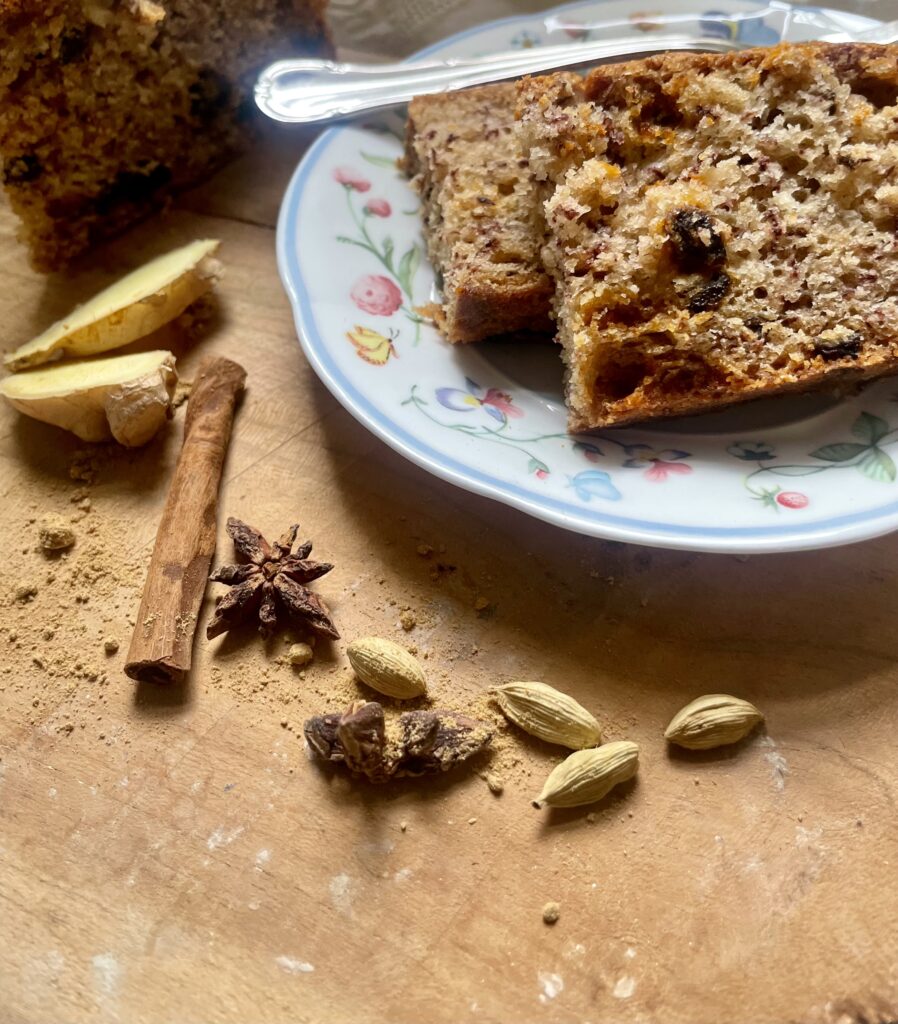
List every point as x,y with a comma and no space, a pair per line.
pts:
482,223
107,106
719,228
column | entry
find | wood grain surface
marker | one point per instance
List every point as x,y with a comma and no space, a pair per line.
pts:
171,855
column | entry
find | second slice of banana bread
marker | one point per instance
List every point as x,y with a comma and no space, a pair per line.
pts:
482,222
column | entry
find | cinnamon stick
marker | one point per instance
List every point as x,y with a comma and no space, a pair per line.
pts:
162,644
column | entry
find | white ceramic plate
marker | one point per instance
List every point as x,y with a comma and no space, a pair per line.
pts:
771,476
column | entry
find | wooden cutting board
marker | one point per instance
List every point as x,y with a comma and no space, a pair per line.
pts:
172,854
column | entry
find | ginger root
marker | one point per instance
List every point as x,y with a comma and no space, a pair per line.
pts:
136,305
123,397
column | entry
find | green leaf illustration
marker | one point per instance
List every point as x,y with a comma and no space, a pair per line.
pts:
841,452
869,428
355,241
408,265
380,161
767,497
877,465
388,253
536,465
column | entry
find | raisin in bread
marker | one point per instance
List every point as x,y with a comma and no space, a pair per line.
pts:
482,223
719,227
106,106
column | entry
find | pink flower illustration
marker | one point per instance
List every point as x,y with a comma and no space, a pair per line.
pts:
659,470
378,208
657,465
376,294
351,179
502,401
541,474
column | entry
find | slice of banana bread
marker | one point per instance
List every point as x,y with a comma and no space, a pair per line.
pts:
482,222
106,106
720,227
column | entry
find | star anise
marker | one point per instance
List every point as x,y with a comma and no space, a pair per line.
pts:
271,580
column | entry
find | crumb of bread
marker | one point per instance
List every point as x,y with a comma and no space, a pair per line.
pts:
720,227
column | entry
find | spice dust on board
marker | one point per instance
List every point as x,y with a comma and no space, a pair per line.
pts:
72,593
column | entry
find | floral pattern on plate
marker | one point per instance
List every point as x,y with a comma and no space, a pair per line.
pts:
491,417
866,453
378,294
499,406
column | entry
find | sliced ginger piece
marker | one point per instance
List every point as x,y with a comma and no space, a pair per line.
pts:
123,397
139,303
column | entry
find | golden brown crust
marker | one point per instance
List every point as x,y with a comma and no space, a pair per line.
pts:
851,61
484,311
841,380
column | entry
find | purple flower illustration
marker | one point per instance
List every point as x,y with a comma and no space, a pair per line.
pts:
494,402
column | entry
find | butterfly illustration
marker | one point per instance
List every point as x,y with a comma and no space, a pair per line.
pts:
373,347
